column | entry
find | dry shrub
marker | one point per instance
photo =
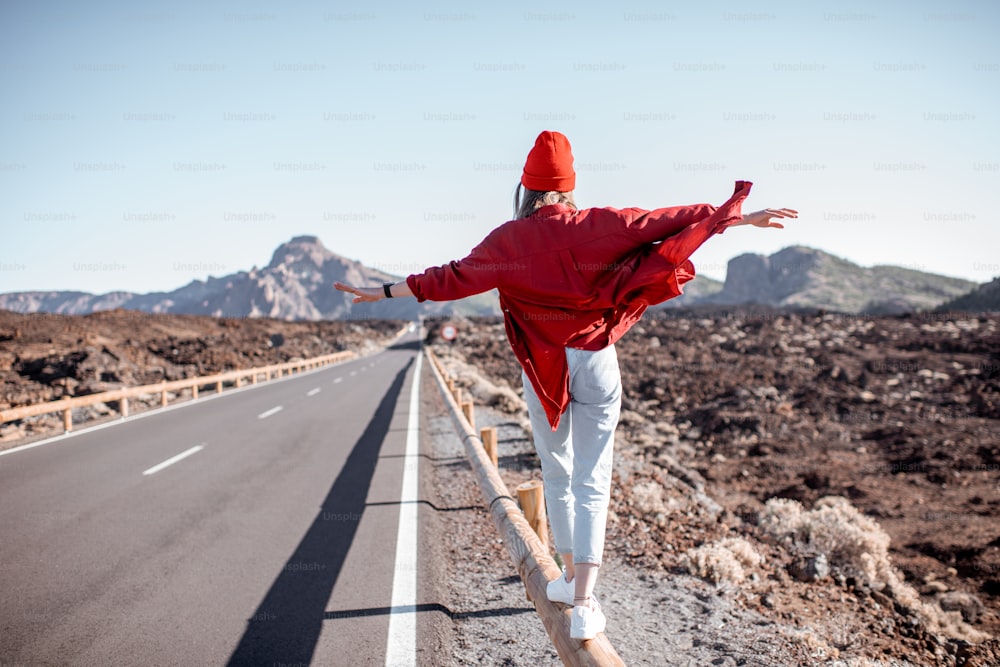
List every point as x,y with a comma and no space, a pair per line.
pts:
724,561
855,546
651,501
815,646
648,498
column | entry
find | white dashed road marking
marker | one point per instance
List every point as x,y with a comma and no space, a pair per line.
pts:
272,411
173,459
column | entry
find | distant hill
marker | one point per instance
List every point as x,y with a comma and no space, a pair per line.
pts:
698,290
802,277
983,299
296,285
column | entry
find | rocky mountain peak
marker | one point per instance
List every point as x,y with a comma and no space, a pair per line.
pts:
308,250
799,276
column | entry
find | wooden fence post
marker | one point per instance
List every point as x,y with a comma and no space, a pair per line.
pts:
194,391
123,406
163,398
488,435
469,416
218,387
68,420
531,497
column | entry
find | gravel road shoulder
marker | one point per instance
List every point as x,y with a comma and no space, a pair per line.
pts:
652,619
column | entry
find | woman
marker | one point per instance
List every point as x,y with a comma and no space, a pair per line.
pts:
571,283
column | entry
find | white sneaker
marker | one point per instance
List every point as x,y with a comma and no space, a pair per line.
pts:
560,590
586,622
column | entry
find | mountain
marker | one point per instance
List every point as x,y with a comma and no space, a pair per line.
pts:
698,290
985,298
297,284
808,278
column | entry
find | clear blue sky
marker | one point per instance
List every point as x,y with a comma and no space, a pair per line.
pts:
143,145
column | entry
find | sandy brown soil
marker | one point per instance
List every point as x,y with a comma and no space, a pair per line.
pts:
45,357
899,415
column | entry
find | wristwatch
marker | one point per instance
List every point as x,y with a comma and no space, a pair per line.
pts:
385,288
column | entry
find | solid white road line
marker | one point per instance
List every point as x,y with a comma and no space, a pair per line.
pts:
401,648
273,411
173,459
313,392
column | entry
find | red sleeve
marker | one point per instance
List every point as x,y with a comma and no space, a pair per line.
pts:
661,223
682,245
475,274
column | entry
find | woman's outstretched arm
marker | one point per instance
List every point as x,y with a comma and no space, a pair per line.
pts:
364,294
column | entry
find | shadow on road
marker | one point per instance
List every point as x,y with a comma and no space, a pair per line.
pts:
464,508
411,344
431,606
287,623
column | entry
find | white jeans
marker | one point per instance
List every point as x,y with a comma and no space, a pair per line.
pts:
576,458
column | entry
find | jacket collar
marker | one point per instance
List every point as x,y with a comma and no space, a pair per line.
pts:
551,209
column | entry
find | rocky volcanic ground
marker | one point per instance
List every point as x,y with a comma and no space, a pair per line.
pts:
838,476
836,473
45,357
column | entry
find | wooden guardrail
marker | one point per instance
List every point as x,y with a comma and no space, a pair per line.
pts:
122,396
534,564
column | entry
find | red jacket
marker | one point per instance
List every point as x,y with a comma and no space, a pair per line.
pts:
578,278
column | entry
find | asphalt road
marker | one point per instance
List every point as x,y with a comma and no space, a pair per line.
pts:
272,541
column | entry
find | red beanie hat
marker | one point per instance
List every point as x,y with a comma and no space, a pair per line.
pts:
550,164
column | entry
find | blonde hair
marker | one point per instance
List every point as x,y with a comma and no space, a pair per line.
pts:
528,201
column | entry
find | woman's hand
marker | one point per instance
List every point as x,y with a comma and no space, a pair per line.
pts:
764,218
362,294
